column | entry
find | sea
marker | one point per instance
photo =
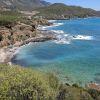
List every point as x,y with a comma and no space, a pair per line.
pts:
74,57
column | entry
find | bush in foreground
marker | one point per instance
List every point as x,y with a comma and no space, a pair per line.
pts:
18,83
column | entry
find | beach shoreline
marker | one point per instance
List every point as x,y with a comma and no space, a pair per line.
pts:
8,52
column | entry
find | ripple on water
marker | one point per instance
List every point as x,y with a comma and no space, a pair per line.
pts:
48,54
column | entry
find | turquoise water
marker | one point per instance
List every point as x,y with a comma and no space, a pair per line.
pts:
74,58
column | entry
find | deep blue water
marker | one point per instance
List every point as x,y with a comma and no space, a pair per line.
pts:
78,61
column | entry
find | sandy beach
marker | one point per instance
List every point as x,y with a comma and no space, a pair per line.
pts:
6,54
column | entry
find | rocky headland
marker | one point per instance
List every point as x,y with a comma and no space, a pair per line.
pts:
13,36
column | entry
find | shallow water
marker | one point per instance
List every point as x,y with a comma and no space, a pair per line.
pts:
75,57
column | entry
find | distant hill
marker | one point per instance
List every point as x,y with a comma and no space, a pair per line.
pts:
23,4
61,11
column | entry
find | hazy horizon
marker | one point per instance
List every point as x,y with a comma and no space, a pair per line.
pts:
94,4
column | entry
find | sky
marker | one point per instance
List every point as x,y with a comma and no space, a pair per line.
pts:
94,4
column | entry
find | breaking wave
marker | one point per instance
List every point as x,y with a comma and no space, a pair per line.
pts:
83,37
58,31
46,27
63,38
51,21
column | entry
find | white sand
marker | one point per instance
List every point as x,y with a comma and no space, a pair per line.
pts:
6,54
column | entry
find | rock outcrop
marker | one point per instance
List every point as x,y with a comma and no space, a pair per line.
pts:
21,32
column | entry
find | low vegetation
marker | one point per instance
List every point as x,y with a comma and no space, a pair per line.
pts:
8,17
7,20
19,83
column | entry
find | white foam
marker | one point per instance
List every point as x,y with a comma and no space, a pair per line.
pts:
57,24
66,35
82,37
51,21
67,38
62,41
46,27
58,31
42,27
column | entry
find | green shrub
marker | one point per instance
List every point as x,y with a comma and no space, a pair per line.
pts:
75,85
94,93
73,93
53,81
7,20
9,17
18,83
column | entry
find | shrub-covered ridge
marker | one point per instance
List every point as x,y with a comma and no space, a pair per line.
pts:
18,83
62,11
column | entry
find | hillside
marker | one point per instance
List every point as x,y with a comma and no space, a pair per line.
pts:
18,83
22,4
61,11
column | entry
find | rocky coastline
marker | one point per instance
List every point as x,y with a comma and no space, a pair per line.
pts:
23,34
7,53
18,35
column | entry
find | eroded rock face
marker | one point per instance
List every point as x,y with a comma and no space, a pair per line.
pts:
17,33
12,33
21,32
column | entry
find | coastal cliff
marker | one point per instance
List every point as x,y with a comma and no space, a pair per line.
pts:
19,33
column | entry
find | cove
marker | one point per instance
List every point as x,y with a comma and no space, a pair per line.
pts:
75,61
